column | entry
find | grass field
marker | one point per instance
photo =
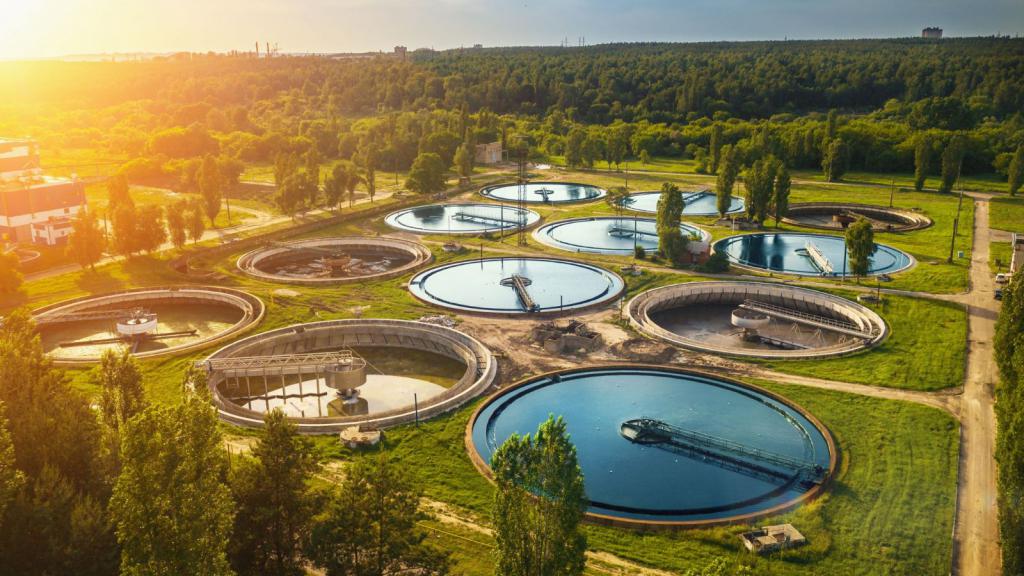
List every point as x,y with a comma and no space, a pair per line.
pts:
999,255
1007,214
907,358
890,512
96,195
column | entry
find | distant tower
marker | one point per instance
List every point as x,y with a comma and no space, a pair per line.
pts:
931,32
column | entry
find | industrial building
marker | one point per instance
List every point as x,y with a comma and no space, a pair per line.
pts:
34,208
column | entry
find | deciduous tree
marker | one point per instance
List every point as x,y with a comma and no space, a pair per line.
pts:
922,157
780,196
10,276
369,526
1016,171
759,182
171,504
860,245
120,382
210,187
539,504
150,233
427,175
176,229
727,174
194,223
833,161
86,243
952,157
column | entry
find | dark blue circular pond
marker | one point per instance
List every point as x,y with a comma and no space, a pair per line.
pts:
659,445
805,254
609,234
460,218
516,285
545,192
703,203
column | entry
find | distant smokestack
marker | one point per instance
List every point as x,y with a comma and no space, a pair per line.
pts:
257,49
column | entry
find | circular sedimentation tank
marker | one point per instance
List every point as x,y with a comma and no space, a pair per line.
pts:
516,285
838,215
461,218
664,447
757,319
545,192
149,321
700,203
412,370
613,235
805,254
319,261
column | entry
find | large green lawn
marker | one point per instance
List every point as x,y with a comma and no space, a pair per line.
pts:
889,512
1007,214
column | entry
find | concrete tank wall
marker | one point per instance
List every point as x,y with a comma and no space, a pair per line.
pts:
642,306
481,366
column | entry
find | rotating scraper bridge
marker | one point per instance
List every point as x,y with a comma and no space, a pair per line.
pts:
128,305
859,326
729,454
323,351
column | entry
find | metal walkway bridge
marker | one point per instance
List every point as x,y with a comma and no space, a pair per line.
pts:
481,219
732,454
815,320
282,363
691,198
818,258
112,314
624,232
519,284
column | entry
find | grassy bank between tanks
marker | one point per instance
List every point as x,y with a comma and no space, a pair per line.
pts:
926,349
889,511
911,357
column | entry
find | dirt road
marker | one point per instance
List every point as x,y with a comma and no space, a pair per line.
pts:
976,534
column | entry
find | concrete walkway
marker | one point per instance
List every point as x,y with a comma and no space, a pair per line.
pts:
976,533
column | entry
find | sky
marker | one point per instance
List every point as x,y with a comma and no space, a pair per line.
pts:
51,28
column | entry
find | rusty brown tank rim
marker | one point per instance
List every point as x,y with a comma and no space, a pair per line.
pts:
643,525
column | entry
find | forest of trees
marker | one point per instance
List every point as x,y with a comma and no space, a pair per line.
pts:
589,105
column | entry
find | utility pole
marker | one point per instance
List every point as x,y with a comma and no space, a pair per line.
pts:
956,221
892,190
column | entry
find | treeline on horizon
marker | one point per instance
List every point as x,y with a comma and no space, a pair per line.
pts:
890,94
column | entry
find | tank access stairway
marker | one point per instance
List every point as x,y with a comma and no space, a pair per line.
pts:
727,453
813,320
519,284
